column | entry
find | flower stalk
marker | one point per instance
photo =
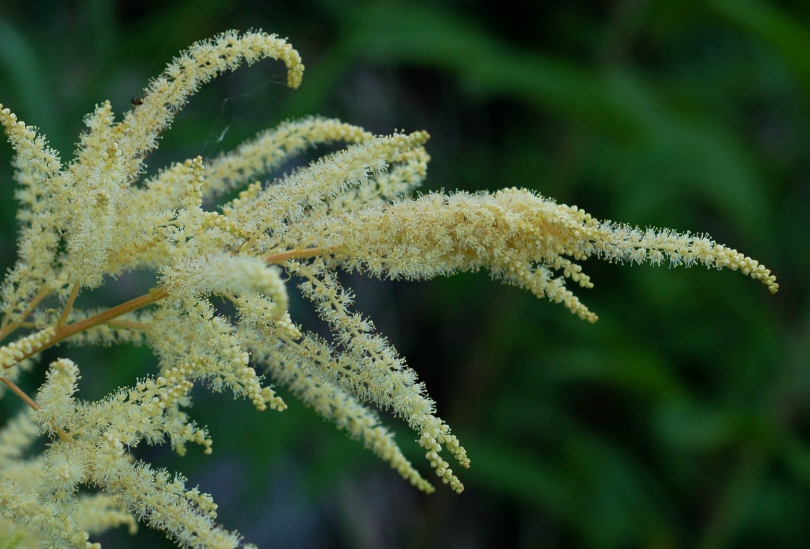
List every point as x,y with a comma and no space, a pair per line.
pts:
85,222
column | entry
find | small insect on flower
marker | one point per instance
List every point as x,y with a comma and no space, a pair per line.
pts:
137,101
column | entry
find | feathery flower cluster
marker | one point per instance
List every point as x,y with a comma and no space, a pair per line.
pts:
85,222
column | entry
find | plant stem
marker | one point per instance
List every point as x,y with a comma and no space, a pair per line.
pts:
297,254
11,326
30,401
69,305
68,330
153,296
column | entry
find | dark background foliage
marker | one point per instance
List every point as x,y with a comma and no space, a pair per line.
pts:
680,419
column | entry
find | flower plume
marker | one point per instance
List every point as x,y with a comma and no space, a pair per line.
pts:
85,222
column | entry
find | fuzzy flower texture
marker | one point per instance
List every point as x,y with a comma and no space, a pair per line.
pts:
85,222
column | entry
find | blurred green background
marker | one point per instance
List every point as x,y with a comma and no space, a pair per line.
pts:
680,419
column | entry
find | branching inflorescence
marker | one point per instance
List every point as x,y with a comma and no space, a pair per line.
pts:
83,223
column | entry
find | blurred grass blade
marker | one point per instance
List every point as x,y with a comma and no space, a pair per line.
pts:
790,39
430,37
633,369
19,60
505,468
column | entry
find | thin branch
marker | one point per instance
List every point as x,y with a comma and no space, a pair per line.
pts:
297,254
30,401
19,392
153,296
11,326
69,305
65,332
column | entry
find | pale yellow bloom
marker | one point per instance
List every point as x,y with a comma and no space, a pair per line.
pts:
85,222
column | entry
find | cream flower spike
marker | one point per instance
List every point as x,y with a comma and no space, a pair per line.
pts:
84,223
